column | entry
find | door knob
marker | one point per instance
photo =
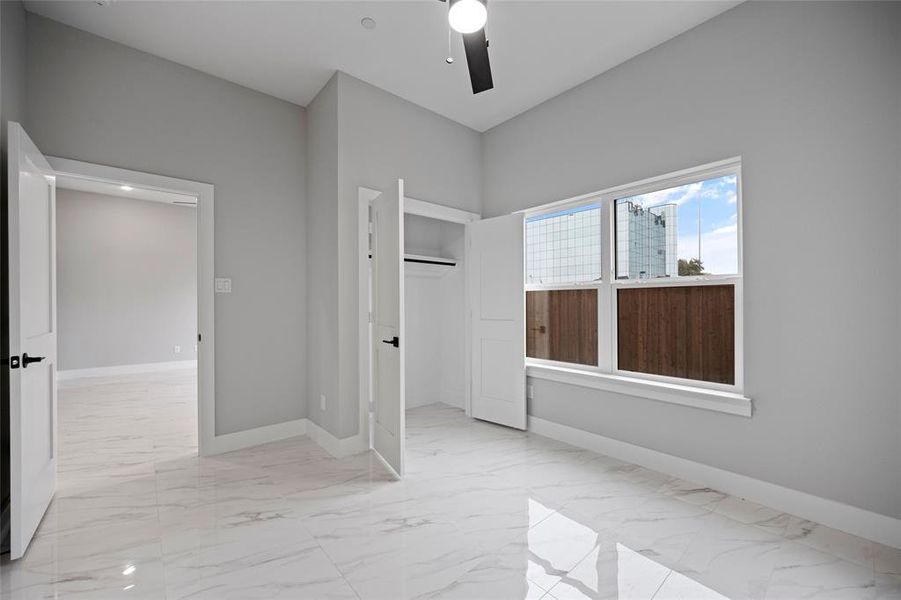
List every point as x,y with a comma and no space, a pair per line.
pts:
27,360
395,341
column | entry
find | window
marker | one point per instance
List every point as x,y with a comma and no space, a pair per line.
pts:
564,246
677,331
644,280
562,325
563,252
690,229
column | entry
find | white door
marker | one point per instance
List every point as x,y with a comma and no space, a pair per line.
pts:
497,303
388,325
32,337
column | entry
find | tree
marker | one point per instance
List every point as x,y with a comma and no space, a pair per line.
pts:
692,266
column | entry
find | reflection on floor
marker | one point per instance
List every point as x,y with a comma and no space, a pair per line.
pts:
485,512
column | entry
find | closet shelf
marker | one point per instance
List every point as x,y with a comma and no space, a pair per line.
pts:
428,266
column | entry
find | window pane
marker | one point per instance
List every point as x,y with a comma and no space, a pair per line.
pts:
563,325
679,331
564,247
686,230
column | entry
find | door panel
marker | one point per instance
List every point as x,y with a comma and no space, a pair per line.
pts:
32,334
388,326
497,304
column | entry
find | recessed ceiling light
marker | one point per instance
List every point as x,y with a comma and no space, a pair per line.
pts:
125,188
367,23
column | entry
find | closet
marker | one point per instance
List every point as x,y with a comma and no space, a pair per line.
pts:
442,315
434,311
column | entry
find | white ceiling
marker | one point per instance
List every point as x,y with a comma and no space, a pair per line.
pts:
114,189
539,48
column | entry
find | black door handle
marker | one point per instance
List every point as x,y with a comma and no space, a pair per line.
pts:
395,341
27,360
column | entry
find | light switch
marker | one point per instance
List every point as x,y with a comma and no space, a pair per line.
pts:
223,285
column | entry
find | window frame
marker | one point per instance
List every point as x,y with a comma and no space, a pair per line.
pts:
608,286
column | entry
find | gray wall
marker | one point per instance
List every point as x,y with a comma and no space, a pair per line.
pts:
94,100
126,274
322,253
381,138
810,96
12,63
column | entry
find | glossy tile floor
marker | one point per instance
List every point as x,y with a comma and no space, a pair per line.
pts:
485,512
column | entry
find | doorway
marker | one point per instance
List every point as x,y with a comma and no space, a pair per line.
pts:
127,345
138,273
32,331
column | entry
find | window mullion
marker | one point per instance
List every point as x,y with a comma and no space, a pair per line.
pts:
606,341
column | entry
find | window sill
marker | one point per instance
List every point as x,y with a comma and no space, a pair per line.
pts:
725,402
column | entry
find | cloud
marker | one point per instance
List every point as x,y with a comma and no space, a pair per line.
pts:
721,188
677,195
725,229
719,249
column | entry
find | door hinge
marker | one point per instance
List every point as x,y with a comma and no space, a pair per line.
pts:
199,338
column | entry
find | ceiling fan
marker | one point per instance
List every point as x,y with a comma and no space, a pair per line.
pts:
468,17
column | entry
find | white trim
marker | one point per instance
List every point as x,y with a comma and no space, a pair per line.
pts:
339,448
847,518
365,196
206,372
438,211
642,186
256,436
174,365
720,401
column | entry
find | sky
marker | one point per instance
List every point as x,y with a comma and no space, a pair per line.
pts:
718,224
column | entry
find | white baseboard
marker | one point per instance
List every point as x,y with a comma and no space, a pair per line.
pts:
850,519
338,448
254,437
125,369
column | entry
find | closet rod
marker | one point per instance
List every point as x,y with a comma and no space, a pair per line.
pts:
424,261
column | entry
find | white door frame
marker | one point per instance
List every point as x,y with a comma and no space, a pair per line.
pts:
412,206
206,397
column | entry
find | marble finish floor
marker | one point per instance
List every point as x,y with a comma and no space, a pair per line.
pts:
485,512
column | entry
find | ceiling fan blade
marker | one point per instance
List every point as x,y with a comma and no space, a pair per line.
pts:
476,47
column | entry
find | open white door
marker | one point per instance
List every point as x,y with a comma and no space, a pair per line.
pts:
32,337
497,301
388,326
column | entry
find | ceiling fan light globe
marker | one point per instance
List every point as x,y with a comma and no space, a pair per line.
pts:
467,16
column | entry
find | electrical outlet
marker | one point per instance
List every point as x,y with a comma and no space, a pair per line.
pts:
223,285
322,402
177,349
